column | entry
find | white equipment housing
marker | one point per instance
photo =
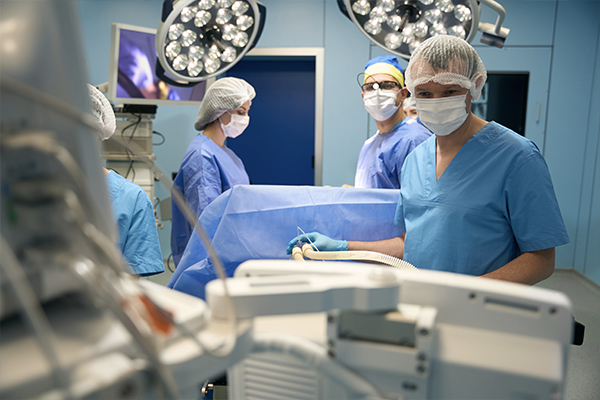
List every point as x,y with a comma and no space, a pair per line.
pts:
411,334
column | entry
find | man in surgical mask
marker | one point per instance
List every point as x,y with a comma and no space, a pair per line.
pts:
381,157
476,198
209,168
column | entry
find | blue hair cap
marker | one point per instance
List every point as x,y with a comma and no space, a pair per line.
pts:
385,59
385,65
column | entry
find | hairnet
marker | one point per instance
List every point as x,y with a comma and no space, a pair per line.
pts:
446,60
409,102
102,110
226,94
384,65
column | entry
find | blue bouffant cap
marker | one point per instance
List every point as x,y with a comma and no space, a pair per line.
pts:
385,65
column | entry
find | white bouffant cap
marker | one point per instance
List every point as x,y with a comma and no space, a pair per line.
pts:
226,94
447,60
102,110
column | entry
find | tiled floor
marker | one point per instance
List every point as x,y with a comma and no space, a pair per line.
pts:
583,371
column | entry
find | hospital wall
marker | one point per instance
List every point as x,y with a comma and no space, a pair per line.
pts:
558,42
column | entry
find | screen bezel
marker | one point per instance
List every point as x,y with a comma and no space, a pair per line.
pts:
113,73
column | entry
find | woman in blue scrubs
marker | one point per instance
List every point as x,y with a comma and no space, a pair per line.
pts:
382,156
209,168
476,198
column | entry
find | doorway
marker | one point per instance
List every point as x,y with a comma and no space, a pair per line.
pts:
283,143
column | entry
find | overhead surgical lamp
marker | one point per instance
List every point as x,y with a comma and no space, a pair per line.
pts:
400,26
199,39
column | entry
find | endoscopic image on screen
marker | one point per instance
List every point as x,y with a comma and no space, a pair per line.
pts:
136,71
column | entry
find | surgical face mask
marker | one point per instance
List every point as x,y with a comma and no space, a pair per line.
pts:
381,104
236,126
444,115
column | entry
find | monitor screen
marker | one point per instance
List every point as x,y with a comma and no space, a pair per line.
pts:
132,76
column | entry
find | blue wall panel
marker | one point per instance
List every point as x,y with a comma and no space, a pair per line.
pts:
293,23
344,115
587,249
573,64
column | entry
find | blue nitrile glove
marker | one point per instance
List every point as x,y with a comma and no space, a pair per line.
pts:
321,242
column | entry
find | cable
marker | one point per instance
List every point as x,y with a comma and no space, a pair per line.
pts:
33,314
116,302
113,298
129,153
164,139
169,263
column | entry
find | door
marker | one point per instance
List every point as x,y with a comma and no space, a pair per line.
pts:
278,147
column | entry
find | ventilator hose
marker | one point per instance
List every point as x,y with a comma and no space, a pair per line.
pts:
297,254
356,256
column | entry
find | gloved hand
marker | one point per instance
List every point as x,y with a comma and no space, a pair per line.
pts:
319,242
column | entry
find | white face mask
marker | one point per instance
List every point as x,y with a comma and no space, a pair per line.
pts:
381,104
444,115
236,126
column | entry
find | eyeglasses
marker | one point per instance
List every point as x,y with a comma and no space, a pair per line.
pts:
383,85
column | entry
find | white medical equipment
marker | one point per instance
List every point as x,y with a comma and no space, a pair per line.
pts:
75,325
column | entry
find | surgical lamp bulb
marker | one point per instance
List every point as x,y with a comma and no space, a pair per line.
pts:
202,18
361,7
223,16
188,13
239,8
175,31
206,4
244,22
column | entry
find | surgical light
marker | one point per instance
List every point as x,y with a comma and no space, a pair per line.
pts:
400,26
199,39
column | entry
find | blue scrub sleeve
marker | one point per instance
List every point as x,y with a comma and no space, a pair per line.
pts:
532,206
141,248
204,185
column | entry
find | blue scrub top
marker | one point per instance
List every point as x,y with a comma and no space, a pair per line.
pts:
207,171
494,200
134,214
382,156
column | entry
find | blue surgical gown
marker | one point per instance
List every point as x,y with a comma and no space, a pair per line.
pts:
207,171
134,214
381,157
494,201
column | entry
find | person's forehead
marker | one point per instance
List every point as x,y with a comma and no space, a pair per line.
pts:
434,86
422,68
380,78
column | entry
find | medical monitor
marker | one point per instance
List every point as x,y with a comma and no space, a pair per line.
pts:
132,72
